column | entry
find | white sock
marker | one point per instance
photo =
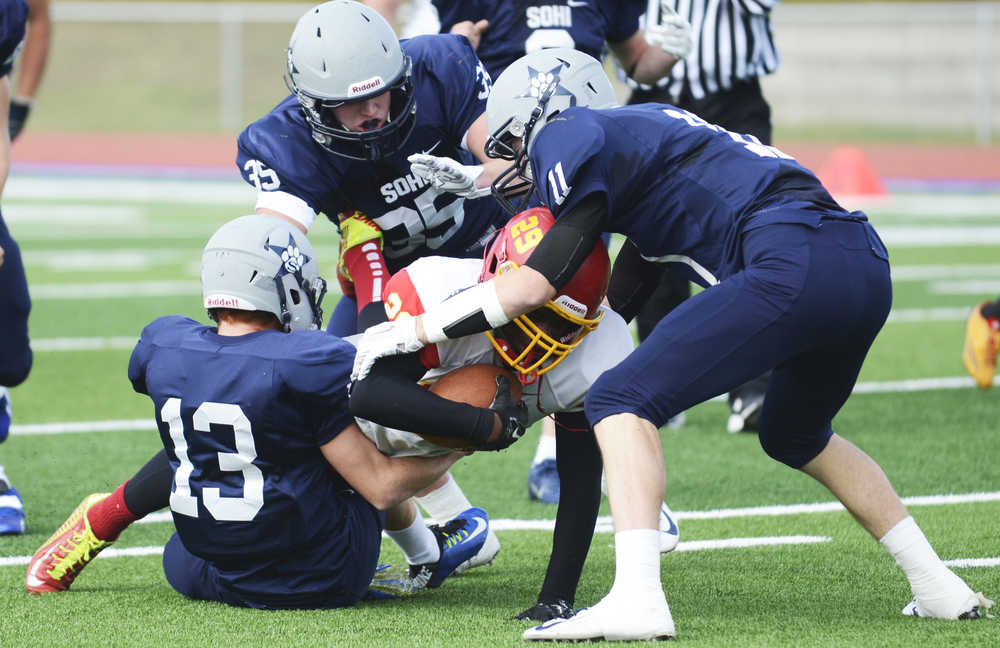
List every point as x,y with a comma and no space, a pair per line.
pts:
637,562
446,502
417,542
546,449
4,482
915,556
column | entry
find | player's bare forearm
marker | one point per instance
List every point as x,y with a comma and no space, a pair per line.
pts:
517,291
36,49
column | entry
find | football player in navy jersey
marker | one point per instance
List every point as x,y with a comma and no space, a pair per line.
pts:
361,103
277,496
15,350
505,31
792,283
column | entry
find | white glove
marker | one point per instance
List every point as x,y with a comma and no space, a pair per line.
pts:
671,32
448,175
385,339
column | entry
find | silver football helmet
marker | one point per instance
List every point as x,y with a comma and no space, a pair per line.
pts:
342,52
263,263
531,91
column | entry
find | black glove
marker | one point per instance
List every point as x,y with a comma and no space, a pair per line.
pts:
554,609
513,416
19,110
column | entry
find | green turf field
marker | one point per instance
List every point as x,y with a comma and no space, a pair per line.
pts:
102,267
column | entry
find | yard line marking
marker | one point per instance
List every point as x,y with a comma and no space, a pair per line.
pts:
967,287
714,514
30,429
44,345
929,314
745,543
694,545
83,344
938,272
115,289
74,214
932,236
824,507
973,562
191,192
37,429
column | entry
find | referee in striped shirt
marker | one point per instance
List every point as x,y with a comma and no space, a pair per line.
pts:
719,82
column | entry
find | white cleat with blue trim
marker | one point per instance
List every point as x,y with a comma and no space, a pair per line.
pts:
615,618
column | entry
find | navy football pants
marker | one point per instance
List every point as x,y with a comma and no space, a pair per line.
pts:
15,352
808,303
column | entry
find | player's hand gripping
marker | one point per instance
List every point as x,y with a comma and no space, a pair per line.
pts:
448,175
385,339
670,32
513,416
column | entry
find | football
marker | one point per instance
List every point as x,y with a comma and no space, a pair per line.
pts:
473,384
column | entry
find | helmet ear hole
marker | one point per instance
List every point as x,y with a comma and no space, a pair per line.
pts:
296,298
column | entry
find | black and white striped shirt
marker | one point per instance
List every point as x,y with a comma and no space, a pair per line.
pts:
732,42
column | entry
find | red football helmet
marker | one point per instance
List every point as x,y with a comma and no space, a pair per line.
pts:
536,342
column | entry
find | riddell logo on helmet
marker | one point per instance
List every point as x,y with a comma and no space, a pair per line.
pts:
363,87
569,304
227,301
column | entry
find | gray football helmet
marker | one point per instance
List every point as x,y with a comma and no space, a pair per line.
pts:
263,263
342,52
531,91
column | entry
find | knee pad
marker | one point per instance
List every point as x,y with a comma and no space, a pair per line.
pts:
794,449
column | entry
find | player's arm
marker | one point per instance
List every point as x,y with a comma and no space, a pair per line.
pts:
633,280
466,180
33,59
642,61
381,480
389,397
551,265
5,137
496,302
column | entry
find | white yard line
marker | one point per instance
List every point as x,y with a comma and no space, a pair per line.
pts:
694,545
75,427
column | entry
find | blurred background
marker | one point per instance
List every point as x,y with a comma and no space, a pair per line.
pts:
885,76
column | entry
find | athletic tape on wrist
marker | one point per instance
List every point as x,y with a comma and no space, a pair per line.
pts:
474,310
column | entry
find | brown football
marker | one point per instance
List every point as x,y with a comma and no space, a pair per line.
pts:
473,384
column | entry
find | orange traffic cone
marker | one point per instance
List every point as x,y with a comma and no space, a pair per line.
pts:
847,171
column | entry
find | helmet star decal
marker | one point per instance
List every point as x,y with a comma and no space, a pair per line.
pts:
292,259
542,81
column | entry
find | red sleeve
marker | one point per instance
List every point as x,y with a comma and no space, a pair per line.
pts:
401,298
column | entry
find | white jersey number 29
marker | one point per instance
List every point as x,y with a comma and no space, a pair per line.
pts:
224,509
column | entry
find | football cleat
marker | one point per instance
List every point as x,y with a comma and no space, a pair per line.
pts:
955,600
982,336
635,619
543,482
389,582
484,556
5,413
554,609
11,512
459,540
670,535
745,412
58,562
